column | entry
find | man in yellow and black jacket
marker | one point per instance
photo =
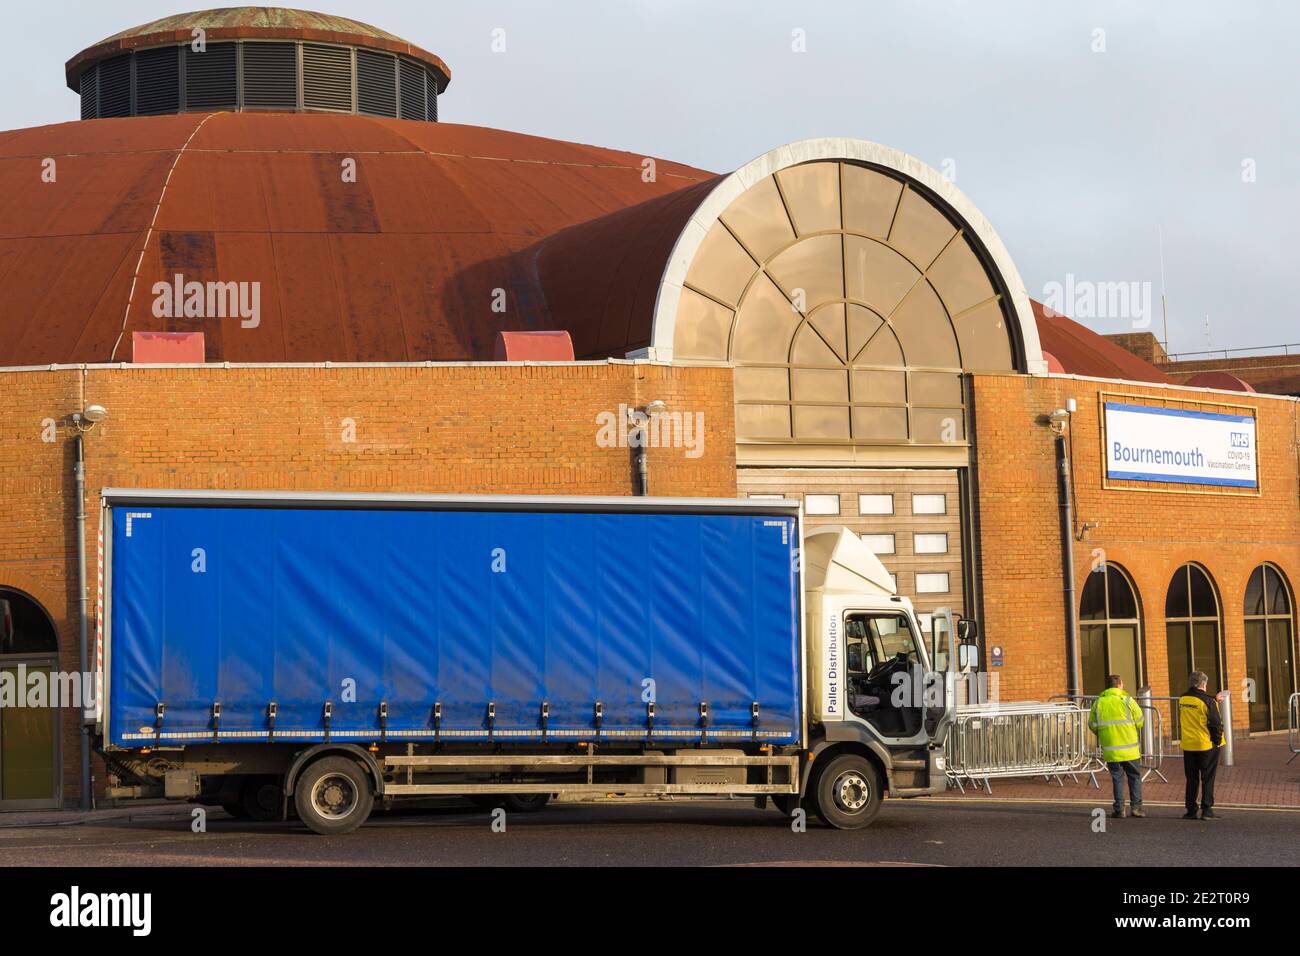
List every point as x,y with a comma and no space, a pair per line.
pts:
1116,719
1201,738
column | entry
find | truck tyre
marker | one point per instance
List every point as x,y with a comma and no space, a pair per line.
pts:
261,798
513,802
333,795
847,792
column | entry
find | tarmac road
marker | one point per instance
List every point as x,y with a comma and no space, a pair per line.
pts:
913,832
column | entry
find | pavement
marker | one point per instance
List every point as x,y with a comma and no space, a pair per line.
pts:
1260,777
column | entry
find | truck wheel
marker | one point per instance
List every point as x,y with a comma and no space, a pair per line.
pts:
513,802
333,796
262,798
847,792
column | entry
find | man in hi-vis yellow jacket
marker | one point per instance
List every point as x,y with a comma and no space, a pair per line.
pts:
1201,738
1116,719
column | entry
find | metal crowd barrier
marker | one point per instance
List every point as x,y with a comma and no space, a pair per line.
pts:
1018,739
1293,726
1153,742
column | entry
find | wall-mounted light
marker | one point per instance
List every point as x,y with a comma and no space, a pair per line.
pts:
89,417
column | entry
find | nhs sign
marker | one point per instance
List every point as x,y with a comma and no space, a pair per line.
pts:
1151,443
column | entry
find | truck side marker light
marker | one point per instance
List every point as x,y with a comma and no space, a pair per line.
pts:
753,719
159,709
491,719
600,716
326,715
704,721
270,721
546,715
383,721
650,720
216,721
437,722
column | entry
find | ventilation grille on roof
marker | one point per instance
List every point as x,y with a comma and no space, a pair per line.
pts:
210,81
257,74
376,83
90,94
326,78
115,87
415,103
157,81
270,76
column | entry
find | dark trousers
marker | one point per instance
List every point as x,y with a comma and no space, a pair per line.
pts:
1119,769
1200,767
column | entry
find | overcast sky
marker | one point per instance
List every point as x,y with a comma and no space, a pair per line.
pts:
1081,129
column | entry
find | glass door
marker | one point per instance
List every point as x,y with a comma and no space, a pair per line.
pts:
28,739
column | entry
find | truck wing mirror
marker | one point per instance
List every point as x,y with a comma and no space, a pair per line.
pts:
968,630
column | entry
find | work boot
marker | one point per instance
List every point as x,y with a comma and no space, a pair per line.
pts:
1209,815
1118,814
1138,811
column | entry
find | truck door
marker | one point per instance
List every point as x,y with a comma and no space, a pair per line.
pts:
884,669
940,714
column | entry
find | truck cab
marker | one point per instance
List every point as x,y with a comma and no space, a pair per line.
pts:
879,704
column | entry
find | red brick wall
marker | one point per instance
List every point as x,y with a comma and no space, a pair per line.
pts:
1149,533
466,429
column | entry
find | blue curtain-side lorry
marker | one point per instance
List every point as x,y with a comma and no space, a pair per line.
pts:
282,653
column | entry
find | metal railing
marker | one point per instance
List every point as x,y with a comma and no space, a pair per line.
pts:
1293,726
1018,739
1152,740
1260,351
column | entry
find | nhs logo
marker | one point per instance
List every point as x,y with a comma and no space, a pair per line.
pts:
1240,439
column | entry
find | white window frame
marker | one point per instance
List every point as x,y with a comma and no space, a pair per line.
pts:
867,512
893,541
947,582
917,536
811,512
940,495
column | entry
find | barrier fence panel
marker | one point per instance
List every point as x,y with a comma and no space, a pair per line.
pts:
1293,726
1018,739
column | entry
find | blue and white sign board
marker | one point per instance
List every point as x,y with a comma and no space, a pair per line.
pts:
1149,443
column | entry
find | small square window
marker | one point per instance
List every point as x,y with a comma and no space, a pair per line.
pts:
893,582
932,582
821,504
929,504
879,543
930,544
875,504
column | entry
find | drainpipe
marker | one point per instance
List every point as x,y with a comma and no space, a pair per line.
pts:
1060,420
640,418
83,611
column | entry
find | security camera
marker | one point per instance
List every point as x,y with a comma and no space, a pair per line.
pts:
655,407
1058,420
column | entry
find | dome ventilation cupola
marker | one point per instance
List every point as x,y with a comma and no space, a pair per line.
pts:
257,58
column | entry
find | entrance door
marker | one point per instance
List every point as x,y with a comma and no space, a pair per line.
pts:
1269,649
29,737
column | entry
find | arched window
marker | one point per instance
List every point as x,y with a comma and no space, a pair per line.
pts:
1110,630
1192,629
29,736
1270,658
